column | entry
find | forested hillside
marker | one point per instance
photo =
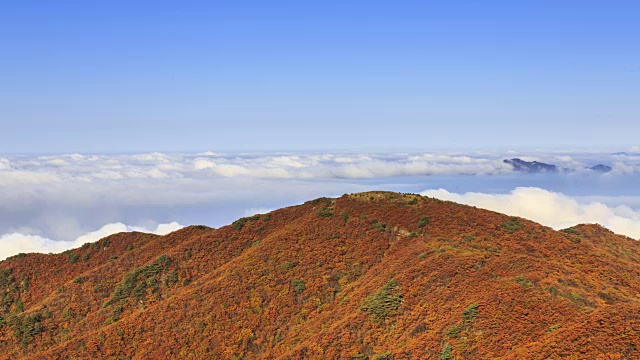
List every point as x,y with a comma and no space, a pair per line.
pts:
373,275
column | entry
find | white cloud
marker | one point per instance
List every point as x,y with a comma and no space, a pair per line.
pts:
289,161
201,164
229,170
550,208
58,162
620,167
63,197
254,211
164,229
152,157
5,164
20,177
15,243
76,167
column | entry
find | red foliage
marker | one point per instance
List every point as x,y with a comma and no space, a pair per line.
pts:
291,285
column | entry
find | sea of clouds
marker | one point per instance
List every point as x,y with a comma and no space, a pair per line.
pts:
56,202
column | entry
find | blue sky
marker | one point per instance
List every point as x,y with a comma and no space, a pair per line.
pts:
130,76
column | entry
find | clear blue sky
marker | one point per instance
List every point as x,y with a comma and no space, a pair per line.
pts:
126,76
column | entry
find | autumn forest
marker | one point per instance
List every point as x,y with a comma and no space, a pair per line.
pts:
374,275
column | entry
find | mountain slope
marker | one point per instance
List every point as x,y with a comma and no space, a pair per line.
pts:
370,275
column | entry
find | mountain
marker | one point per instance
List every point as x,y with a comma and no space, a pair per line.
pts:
530,166
540,167
373,275
626,154
601,168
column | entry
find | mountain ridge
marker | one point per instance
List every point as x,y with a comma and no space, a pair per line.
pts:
359,276
540,167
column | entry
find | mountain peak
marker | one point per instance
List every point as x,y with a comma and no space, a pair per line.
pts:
530,166
362,275
601,168
540,167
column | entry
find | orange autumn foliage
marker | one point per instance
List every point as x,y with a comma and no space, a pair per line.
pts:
362,276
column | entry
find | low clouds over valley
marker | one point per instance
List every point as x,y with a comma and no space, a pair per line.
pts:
52,203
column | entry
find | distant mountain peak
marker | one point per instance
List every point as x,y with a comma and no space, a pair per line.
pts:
601,168
533,167
530,166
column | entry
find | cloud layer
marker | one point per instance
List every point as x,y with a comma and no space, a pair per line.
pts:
15,243
19,170
550,208
50,203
